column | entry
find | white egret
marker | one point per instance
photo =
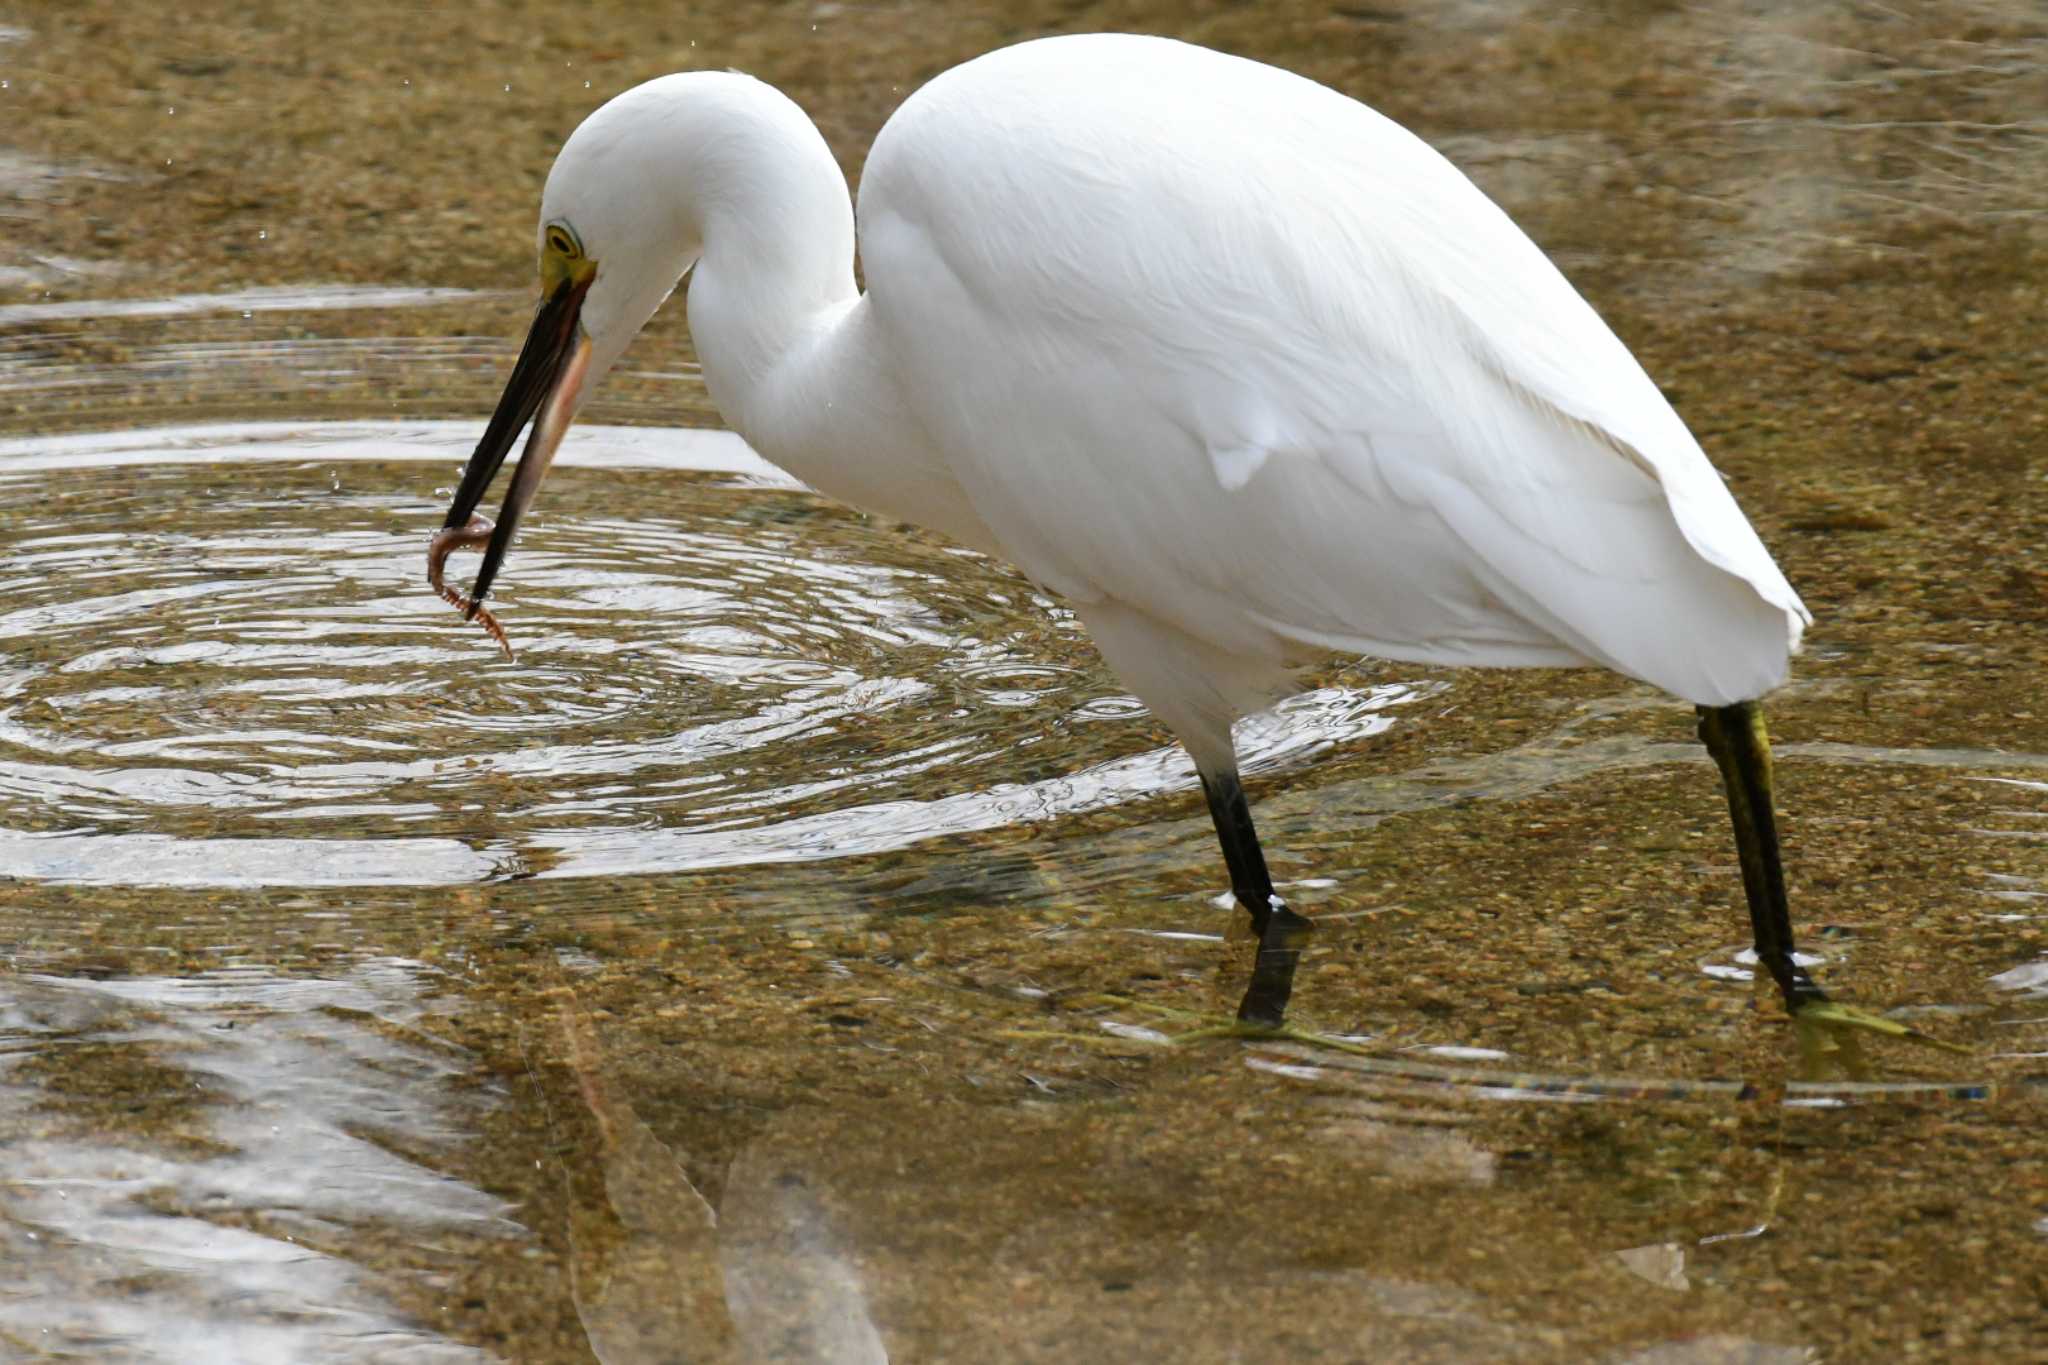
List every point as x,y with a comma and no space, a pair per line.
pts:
1244,371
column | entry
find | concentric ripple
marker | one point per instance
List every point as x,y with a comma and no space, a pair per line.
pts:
219,665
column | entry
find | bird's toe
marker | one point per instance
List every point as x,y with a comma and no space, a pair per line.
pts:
1831,1038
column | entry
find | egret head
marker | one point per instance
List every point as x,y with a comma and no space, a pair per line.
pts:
613,243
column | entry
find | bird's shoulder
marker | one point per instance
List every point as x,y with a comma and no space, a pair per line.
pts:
1061,138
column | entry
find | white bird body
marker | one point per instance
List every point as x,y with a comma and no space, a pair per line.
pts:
1242,369
1245,371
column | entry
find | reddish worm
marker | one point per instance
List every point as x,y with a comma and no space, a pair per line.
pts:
445,542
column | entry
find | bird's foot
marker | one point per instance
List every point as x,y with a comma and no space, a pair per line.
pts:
1831,1039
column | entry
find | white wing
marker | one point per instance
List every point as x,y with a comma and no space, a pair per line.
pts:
1212,342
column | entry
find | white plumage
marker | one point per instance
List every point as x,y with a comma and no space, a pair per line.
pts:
1243,370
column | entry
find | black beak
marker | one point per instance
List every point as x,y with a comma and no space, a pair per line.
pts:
550,367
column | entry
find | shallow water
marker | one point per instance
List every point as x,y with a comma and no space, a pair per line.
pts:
734,673
775,960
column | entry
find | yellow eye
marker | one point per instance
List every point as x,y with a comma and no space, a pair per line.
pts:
560,241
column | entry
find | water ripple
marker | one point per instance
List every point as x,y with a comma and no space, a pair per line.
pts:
210,636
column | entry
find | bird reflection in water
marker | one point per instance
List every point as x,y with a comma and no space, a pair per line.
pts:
658,1275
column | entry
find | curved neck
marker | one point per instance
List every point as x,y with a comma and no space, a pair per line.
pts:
776,268
730,179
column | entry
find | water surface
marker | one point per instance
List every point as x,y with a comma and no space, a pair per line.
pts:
774,961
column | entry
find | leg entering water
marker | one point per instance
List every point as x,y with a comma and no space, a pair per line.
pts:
1281,931
1735,736
1828,1032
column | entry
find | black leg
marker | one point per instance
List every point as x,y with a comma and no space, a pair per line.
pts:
1281,931
1735,736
